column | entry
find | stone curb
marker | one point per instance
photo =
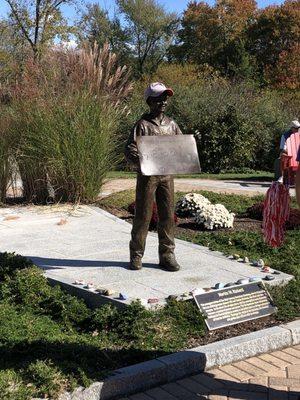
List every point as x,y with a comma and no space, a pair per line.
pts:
145,375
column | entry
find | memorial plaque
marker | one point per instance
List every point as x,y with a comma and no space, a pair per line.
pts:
168,154
235,304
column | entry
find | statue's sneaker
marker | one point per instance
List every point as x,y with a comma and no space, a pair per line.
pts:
169,263
135,263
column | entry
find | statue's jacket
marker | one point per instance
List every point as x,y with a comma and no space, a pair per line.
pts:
149,126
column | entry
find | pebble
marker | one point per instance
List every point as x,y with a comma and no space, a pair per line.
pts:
79,282
219,285
186,294
236,256
242,281
269,277
246,260
172,297
144,302
152,301
255,279
266,269
105,292
276,272
100,290
123,296
197,291
260,263
108,292
89,286
254,263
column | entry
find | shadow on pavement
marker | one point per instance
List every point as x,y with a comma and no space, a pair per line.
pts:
57,263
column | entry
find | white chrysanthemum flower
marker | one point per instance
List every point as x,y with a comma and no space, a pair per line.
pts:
214,216
191,203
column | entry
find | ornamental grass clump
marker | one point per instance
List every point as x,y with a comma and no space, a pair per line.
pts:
6,153
67,111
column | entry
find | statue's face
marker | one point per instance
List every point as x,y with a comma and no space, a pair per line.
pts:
158,104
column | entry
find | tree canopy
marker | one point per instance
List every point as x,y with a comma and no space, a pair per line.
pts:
38,22
233,38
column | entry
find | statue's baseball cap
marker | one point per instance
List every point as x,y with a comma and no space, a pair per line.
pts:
295,124
155,89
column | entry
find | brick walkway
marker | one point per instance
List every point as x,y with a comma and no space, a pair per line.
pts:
274,376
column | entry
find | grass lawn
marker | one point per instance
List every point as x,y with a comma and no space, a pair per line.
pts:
235,203
51,341
251,176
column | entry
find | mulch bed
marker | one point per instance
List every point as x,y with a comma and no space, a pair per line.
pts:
188,226
234,330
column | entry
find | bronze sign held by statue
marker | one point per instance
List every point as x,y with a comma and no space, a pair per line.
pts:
168,155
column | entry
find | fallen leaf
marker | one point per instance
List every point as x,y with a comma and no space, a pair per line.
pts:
11,218
63,221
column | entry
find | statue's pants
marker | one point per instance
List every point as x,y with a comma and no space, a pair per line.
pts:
161,189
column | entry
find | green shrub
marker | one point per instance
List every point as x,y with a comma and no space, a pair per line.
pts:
30,289
103,316
12,387
47,378
22,326
186,315
130,323
10,263
287,300
237,124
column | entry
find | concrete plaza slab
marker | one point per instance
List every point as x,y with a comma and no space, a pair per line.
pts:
86,243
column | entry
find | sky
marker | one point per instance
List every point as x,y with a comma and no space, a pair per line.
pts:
171,5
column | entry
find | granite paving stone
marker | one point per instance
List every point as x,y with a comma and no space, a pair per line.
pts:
85,242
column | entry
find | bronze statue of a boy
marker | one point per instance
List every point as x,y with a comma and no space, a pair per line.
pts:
148,188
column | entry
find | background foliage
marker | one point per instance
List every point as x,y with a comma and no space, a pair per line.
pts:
234,69
239,123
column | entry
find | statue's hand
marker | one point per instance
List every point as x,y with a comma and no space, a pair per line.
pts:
133,152
197,136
